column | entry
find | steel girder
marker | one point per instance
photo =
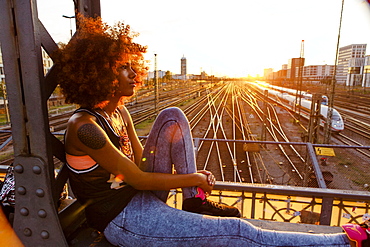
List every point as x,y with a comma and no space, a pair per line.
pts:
36,219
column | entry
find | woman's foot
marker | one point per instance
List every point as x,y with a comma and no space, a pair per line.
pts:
201,205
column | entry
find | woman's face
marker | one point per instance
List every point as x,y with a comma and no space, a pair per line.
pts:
126,79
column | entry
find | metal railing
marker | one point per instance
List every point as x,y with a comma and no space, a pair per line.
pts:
289,203
294,204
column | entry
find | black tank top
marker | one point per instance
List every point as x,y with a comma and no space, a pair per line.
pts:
91,186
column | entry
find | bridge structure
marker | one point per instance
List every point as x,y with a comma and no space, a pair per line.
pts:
38,220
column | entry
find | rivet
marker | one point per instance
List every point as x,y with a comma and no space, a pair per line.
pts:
27,232
40,192
24,211
21,190
45,234
36,169
18,168
41,213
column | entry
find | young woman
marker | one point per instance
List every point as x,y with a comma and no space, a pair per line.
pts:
123,186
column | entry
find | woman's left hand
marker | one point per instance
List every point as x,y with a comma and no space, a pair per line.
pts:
210,177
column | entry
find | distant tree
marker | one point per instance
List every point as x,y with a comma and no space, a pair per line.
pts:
168,76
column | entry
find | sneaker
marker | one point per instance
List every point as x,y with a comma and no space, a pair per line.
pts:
357,234
201,205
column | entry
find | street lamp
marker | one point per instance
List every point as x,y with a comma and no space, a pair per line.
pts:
70,22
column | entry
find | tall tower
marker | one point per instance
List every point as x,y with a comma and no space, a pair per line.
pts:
183,66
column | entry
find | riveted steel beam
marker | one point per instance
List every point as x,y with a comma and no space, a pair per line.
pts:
22,36
36,219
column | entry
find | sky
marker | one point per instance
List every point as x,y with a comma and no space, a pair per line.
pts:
234,38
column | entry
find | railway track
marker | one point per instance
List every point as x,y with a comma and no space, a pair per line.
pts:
356,113
141,108
224,117
350,164
351,142
355,110
232,111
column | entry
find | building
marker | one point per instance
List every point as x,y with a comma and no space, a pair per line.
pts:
46,61
310,73
267,72
293,68
279,76
345,54
355,70
183,66
282,74
366,72
318,73
160,74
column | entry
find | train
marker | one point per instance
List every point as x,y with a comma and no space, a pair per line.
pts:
289,95
304,95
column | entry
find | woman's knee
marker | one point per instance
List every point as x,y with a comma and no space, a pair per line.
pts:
172,113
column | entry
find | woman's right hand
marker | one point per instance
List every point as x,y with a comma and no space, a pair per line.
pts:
206,185
210,177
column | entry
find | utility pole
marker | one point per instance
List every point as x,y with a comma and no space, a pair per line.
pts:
299,86
156,96
314,122
327,126
264,115
363,77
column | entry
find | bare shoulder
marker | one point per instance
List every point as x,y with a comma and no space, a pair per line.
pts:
125,113
123,110
82,130
79,119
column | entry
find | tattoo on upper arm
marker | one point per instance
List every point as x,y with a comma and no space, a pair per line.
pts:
91,136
